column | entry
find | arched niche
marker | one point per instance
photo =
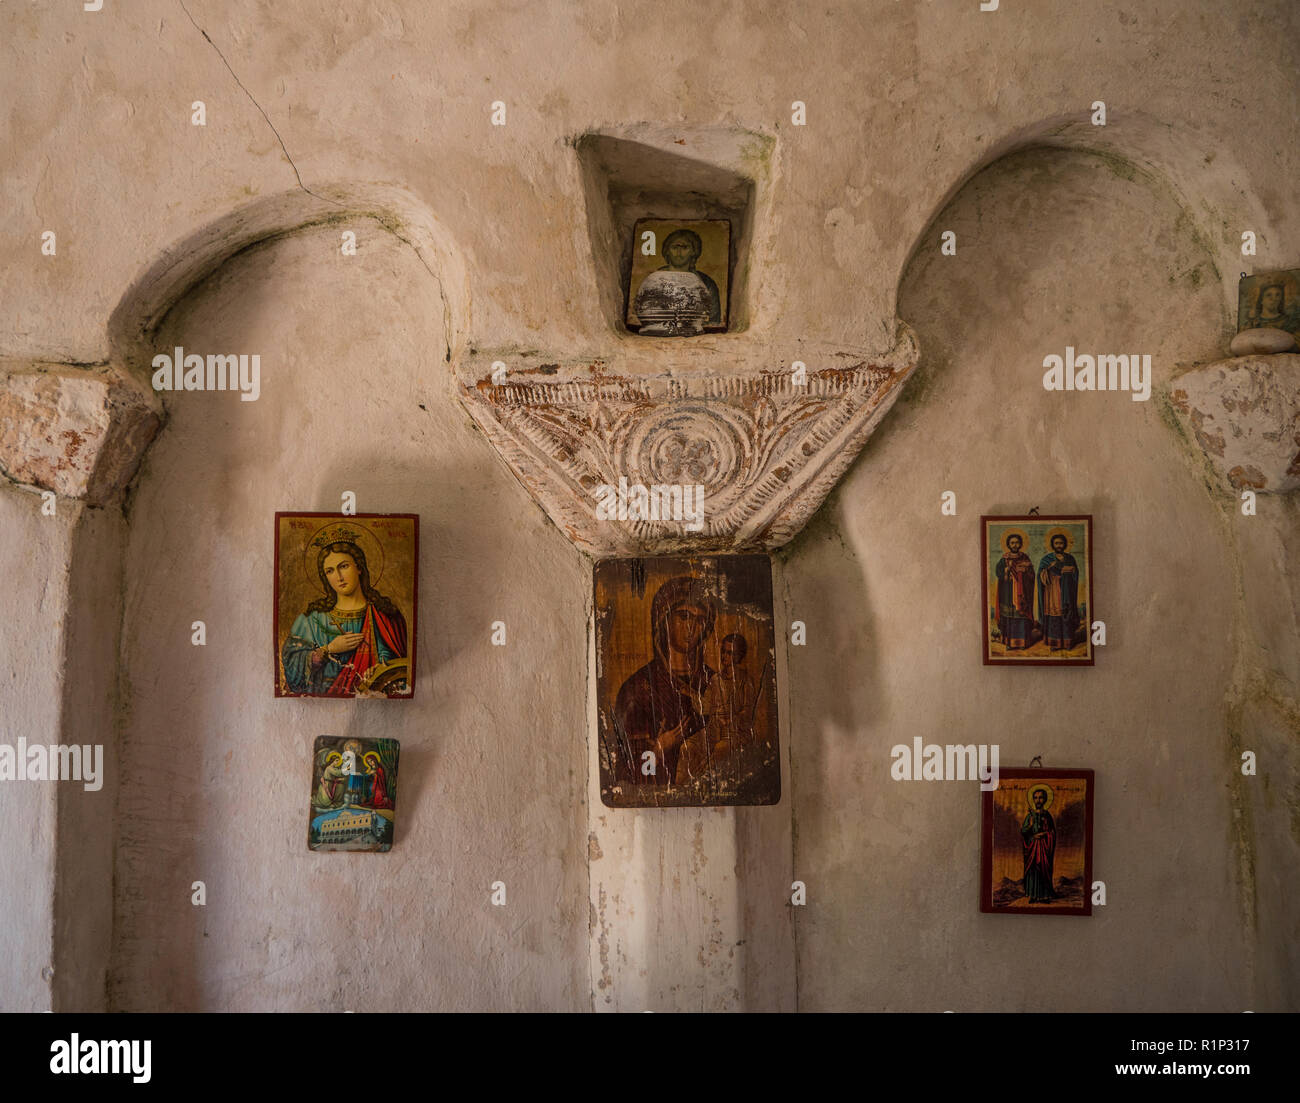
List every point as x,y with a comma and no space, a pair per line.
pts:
1213,193
1055,245
170,276
355,395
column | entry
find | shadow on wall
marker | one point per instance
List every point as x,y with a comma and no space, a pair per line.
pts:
133,330
1054,247
356,396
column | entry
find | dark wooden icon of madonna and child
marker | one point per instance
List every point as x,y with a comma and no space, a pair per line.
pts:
345,585
686,679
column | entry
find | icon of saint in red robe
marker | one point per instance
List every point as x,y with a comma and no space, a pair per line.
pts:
379,795
1038,837
1015,574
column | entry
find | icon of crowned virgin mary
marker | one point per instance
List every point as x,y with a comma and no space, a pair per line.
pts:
351,639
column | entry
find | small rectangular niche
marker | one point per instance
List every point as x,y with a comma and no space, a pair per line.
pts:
635,187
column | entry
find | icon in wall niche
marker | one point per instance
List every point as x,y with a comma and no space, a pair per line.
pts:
679,280
1036,843
353,794
1037,590
1270,300
686,680
345,592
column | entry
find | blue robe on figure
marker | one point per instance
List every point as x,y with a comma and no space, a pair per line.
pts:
383,639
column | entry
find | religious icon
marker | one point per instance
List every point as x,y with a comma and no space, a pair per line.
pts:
353,794
1037,590
1036,843
679,277
345,591
686,681
1270,299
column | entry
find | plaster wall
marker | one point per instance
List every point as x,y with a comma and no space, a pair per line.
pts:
35,597
214,773
690,907
85,836
1054,249
905,101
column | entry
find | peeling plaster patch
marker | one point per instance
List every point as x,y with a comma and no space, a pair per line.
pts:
75,441
1247,476
50,427
699,859
79,432
606,980
1245,414
850,240
1211,440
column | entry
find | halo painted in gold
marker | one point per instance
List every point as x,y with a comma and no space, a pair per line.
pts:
1029,796
366,540
1024,539
1058,530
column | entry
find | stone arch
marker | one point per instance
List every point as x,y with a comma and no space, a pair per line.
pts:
82,429
99,553
1170,158
1253,706
1091,461
184,265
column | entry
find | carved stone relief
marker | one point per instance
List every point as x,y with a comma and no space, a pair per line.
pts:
765,448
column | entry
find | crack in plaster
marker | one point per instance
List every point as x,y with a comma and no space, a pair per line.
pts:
446,307
36,192
261,110
391,227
